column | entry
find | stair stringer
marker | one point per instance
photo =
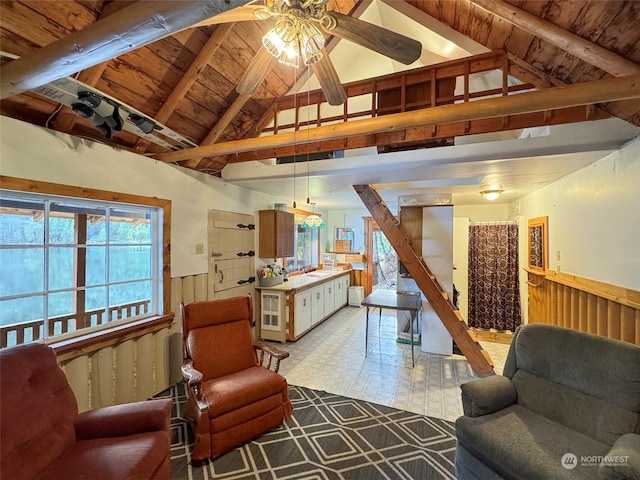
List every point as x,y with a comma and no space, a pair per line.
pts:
438,299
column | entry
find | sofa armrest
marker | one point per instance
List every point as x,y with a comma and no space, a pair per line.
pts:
125,419
487,395
623,460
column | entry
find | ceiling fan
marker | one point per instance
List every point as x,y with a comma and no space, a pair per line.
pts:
298,39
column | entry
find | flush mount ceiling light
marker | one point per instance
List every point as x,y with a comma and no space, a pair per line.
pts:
491,194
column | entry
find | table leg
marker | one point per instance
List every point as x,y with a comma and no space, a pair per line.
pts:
366,335
413,358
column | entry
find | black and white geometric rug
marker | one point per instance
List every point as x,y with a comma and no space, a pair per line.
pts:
329,437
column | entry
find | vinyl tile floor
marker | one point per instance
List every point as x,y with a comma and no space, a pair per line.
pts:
331,357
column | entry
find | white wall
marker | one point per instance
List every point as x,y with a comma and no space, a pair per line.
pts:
347,218
594,218
35,153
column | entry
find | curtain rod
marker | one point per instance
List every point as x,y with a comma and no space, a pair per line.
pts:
495,222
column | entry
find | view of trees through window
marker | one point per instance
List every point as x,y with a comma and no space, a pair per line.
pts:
68,266
306,241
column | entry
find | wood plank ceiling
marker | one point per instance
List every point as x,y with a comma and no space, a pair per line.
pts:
187,80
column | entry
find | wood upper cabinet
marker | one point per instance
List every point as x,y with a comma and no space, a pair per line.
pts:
276,234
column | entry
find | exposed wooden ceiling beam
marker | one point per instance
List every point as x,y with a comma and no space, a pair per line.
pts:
67,118
189,77
130,28
569,42
607,90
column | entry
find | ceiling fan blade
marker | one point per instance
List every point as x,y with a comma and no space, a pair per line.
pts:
386,42
329,80
258,70
239,14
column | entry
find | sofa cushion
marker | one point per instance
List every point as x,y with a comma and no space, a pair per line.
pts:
136,457
608,369
242,388
589,415
518,443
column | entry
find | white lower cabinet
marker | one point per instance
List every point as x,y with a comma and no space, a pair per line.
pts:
329,297
302,313
317,304
310,307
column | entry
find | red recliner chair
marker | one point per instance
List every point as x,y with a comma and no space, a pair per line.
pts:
233,398
42,435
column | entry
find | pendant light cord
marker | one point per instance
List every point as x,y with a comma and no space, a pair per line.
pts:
308,127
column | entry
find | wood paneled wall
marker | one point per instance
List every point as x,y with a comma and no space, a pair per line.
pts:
139,368
585,305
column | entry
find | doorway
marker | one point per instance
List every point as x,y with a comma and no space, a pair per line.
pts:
381,259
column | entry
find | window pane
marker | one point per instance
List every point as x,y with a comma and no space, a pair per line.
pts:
27,314
21,222
61,307
61,268
131,299
22,271
129,263
97,228
95,300
129,226
61,226
96,265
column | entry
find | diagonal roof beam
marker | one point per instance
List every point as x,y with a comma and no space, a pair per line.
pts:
569,42
189,77
132,27
588,93
233,110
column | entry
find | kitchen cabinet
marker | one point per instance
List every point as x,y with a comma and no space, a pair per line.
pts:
291,309
276,234
302,313
329,296
317,304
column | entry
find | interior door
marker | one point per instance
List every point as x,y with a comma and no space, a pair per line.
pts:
231,254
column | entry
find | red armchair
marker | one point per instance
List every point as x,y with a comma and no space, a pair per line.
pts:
233,398
42,435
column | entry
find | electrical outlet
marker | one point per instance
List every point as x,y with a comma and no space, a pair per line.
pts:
557,254
199,249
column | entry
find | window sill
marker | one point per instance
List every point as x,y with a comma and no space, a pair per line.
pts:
91,342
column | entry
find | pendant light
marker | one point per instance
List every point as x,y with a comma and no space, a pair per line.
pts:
313,220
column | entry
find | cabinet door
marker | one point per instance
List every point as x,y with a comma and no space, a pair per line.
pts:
276,234
302,314
317,304
329,298
346,282
337,293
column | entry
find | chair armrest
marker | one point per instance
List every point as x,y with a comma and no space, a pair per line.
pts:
623,460
123,420
194,382
487,395
272,352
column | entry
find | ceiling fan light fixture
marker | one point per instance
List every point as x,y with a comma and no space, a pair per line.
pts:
311,42
491,194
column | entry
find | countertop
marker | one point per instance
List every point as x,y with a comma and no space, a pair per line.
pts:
306,280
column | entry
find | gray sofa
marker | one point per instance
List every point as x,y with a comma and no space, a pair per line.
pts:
568,406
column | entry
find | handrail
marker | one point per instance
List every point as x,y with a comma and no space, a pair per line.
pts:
68,323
